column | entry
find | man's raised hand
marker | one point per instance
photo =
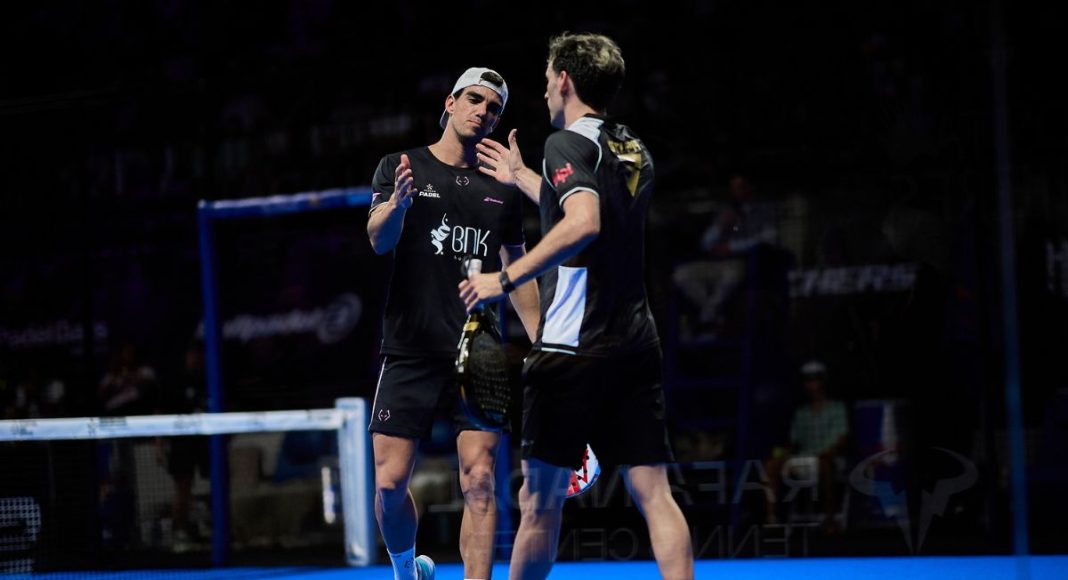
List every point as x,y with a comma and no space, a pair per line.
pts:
403,184
500,162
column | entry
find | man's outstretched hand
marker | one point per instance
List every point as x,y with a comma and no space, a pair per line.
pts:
500,162
403,184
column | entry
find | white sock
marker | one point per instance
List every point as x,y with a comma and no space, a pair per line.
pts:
404,565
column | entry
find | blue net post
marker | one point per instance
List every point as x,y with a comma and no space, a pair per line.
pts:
1010,313
220,488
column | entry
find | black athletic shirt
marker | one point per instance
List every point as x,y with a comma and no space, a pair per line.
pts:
455,212
595,303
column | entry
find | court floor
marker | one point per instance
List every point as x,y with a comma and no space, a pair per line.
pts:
914,568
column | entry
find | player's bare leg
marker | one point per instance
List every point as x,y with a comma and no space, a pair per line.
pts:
541,503
394,504
477,452
668,532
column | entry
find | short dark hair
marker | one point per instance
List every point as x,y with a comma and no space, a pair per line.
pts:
492,78
593,61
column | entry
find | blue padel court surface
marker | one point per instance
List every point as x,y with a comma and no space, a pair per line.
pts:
917,568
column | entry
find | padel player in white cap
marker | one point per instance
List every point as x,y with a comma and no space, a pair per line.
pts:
431,207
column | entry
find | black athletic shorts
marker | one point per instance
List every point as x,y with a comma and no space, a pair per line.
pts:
615,404
412,391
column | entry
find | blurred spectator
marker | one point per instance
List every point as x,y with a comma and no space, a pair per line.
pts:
22,401
127,386
743,224
33,397
125,389
185,456
53,398
819,432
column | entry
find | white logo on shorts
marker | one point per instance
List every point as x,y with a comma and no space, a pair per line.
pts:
383,415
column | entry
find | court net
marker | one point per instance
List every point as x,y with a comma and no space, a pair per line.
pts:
182,491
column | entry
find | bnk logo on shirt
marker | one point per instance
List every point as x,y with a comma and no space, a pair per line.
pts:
465,240
561,175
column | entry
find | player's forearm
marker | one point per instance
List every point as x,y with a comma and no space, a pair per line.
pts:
525,297
529,182
564,240
384,227
525,301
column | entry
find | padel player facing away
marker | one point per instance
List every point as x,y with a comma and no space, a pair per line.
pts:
595,370
431,207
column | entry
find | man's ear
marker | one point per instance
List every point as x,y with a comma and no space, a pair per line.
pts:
450,103
566,86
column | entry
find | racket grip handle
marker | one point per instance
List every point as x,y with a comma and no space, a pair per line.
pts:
474,266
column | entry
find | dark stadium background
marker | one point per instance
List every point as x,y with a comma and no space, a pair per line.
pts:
870,127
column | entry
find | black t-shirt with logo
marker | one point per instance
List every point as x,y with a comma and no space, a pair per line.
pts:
455,212
595,303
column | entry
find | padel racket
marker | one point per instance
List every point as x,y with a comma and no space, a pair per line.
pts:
481,367
583,478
